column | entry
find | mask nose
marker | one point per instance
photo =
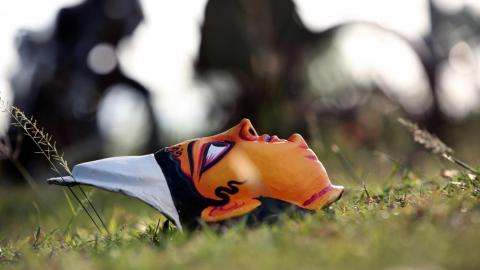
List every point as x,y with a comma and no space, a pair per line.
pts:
246,131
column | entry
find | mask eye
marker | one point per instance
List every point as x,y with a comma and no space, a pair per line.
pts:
213,153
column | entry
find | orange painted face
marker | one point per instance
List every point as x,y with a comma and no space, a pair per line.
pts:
235,168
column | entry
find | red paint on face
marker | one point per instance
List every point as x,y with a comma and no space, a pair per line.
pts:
266,166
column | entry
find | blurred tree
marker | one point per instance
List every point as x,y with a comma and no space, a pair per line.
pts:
266,48
64,72
261,44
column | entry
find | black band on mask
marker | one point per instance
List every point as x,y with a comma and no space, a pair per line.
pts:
188,201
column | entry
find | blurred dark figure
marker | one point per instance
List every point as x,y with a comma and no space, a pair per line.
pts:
266,48
261,44
64,73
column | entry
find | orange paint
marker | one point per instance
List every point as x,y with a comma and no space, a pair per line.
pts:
238,166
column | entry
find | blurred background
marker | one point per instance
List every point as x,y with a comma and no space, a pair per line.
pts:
121,77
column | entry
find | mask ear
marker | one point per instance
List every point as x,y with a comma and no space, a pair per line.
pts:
235,208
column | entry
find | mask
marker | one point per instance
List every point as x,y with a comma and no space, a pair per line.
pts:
218,177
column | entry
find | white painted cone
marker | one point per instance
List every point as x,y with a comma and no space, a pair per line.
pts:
136,176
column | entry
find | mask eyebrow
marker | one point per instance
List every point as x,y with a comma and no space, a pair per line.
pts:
190,156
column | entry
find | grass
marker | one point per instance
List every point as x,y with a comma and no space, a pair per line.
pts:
405,223
392,216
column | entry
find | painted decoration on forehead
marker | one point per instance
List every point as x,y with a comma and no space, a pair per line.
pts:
218,177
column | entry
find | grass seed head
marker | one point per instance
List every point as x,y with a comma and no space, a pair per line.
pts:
425,138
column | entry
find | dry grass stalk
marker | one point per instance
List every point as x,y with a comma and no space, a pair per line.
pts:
434,144
47,147
425,138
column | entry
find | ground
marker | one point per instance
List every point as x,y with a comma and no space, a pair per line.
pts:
402,222
404,208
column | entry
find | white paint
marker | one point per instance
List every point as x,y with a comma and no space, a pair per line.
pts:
213,152
136,176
